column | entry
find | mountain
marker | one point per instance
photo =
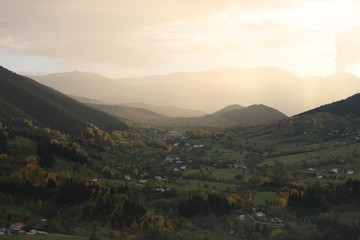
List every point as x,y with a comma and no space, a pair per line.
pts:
23,97
231,116
227,109
346,107
253,115
210,90
137,115
86,100
168,111
80,84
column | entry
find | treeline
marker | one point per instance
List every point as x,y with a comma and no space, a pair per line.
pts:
113,207
317,199
71,192
202,205
48,149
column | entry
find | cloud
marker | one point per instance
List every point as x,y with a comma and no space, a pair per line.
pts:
159,35
110,31
347,49
279,4
10,43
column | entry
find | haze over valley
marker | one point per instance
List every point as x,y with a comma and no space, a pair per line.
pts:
211,90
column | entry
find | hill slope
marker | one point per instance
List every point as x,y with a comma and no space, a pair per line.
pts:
168,111
23,96
348,106
137,115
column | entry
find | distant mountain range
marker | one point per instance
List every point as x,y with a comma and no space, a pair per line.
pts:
23,98
230,116
165,111
210,90
168,111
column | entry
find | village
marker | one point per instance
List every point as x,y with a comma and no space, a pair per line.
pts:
19,228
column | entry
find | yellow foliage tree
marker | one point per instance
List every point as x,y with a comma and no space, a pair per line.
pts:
264,180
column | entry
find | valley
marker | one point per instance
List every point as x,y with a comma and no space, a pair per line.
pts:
94,175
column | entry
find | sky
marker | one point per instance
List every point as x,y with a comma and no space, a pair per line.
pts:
132,38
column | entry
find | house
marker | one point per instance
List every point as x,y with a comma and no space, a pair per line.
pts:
241,217
32,232
276,220
169,159
42,233
350,172
260,214
176,144
16,227
310,169
3,231
160,189
144,174
183,167
127,177
158,178
143,181
334,170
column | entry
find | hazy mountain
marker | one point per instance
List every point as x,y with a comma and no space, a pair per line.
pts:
214,89
253,115
86,100
137,115
168,111
231,116
23,97
227,109
80,84
211,90
347,107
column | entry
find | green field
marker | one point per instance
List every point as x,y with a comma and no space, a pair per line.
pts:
200,185
262,197
324,154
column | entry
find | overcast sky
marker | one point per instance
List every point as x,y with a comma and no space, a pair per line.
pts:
122,38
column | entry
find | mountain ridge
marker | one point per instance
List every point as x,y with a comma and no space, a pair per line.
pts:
210,90
345,107
26,97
